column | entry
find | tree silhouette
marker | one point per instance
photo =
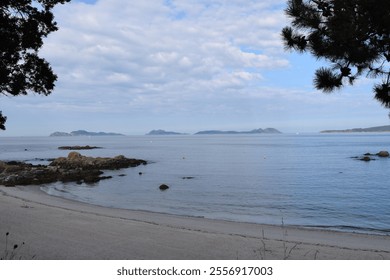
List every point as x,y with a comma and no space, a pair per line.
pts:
23,25
354,36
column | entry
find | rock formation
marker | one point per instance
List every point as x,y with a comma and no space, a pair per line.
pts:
369,157
74,168
87,147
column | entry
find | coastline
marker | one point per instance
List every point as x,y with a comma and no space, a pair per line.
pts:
54,228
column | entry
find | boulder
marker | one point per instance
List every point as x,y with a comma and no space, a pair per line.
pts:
74,156
383,154
163,187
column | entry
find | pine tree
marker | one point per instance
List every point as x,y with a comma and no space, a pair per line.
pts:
353,36
23,25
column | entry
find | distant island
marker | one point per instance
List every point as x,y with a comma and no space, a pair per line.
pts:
255,131
385,128
213,132
163,132
84,133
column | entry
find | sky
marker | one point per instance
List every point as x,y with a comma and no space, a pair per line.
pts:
182,65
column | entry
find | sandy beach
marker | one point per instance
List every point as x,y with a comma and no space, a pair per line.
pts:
57,229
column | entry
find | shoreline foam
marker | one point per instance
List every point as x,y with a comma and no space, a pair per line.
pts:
56,228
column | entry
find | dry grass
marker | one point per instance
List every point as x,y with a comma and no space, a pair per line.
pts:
14,252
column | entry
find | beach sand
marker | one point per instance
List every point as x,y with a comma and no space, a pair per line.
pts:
57,229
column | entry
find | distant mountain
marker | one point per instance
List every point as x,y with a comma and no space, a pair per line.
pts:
85,133
163,132
59,134
255,131
385,128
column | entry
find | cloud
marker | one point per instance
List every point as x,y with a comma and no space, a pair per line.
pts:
122,51
132,66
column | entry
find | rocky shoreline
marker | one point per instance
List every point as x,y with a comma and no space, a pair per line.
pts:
73,168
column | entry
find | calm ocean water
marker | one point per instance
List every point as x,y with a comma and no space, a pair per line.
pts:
308,179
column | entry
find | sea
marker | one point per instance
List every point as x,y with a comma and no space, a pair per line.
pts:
310,180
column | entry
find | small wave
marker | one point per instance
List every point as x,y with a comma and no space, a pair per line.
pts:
353,229
59,190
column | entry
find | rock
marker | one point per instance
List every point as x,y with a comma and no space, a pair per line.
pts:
383,154
120,157
366,158
163,187
78,147
74,168
369,156
13,162
3,165
74,155
94,179
75,160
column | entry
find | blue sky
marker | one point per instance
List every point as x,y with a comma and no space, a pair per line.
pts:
188,65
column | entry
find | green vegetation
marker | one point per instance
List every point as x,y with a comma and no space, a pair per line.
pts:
24,24
353,36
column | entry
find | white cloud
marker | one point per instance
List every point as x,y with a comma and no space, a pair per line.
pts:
147,63
127,49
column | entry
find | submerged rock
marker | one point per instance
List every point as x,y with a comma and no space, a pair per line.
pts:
370,157
366,158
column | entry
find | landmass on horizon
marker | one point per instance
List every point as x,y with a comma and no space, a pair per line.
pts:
164,132
85,133
254,131
213,132
384,128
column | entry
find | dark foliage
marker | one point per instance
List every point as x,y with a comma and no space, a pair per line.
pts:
354,36
23,26
3,119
